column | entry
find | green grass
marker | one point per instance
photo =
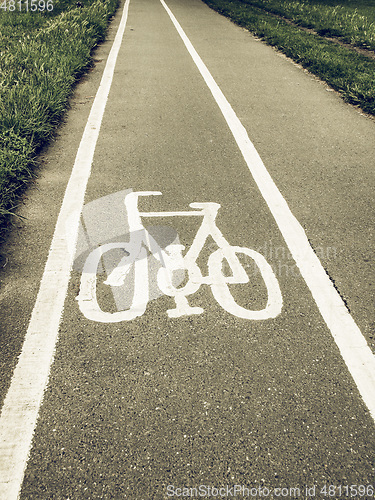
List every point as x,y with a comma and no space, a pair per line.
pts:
352,74
41,58
350,20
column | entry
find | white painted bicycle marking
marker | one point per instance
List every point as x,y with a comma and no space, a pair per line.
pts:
172,260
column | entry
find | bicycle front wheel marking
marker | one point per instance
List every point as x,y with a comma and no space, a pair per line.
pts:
221,292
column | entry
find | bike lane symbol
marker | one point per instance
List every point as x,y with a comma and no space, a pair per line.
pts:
129,264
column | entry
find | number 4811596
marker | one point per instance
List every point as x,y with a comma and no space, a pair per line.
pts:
27,5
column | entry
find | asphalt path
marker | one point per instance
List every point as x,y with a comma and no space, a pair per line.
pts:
141,408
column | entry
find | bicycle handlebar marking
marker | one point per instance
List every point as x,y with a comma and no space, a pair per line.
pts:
172,260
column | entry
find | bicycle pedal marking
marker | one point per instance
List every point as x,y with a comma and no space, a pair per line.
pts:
171,266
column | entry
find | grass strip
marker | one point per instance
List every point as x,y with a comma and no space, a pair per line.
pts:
353,25
352,74
41,58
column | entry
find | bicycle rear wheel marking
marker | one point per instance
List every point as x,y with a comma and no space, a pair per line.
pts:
87,299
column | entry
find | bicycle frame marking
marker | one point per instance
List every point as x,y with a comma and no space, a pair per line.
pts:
171,259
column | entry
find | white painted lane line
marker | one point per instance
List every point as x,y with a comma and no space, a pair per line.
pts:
349,339
21,406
